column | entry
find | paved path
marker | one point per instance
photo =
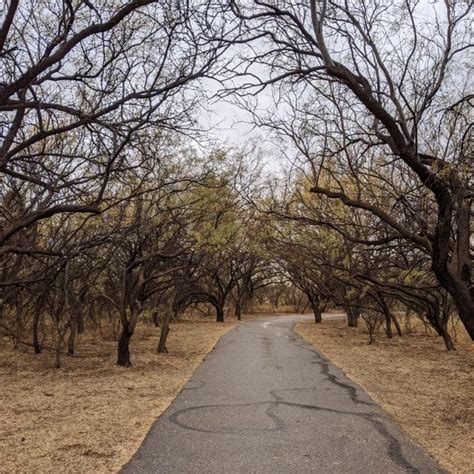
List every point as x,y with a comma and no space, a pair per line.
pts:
264,401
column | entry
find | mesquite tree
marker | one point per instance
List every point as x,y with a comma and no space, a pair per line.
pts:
81,85
395,70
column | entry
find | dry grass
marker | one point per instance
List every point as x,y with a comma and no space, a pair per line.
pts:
92,415
427,390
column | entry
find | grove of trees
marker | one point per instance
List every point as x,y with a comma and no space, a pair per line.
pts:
117,205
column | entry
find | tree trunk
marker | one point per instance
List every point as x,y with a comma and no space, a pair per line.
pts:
164,336
397,324
219,313
71,343
80,322
238,309
156,319
448,342
317,311
123,348
36,344
165,329
388,325
457,281
466,314
58,347
352,317
440,325
58,356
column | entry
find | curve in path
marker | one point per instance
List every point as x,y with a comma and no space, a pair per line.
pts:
265,401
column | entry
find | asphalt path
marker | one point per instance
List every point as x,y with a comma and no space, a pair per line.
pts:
264,401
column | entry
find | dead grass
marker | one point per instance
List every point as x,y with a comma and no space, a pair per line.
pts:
92,415
427,390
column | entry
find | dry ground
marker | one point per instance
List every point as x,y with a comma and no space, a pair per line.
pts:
427,390
92,415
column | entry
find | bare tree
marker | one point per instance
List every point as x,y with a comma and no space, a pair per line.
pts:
405,93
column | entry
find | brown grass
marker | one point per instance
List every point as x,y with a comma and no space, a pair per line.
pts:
427,390
91,415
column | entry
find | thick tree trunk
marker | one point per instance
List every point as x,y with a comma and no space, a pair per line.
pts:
379,297
317,311
455,278
440,325
80,323
156,319
463,300
219,313
352,317
466,314
163,337
123,348
448,342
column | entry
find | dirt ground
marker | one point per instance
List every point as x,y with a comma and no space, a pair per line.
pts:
427,390
91,415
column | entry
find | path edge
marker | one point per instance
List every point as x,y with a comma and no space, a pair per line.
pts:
388,415
176,396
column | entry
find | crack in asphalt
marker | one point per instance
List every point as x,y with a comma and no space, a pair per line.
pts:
268,414
394,449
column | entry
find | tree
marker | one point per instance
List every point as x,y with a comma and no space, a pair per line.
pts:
357,60
83,88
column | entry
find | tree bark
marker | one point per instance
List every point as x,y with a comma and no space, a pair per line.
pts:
352,317
71,342
165,329
219,313
238,309
123,349
36,344
156,319
317,311
397,324
164,336
388,325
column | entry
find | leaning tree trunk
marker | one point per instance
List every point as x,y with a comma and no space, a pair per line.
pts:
448,342
123,348
441,328
456,279
397,324
165,329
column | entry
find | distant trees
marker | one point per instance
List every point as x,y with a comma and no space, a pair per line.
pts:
316,242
